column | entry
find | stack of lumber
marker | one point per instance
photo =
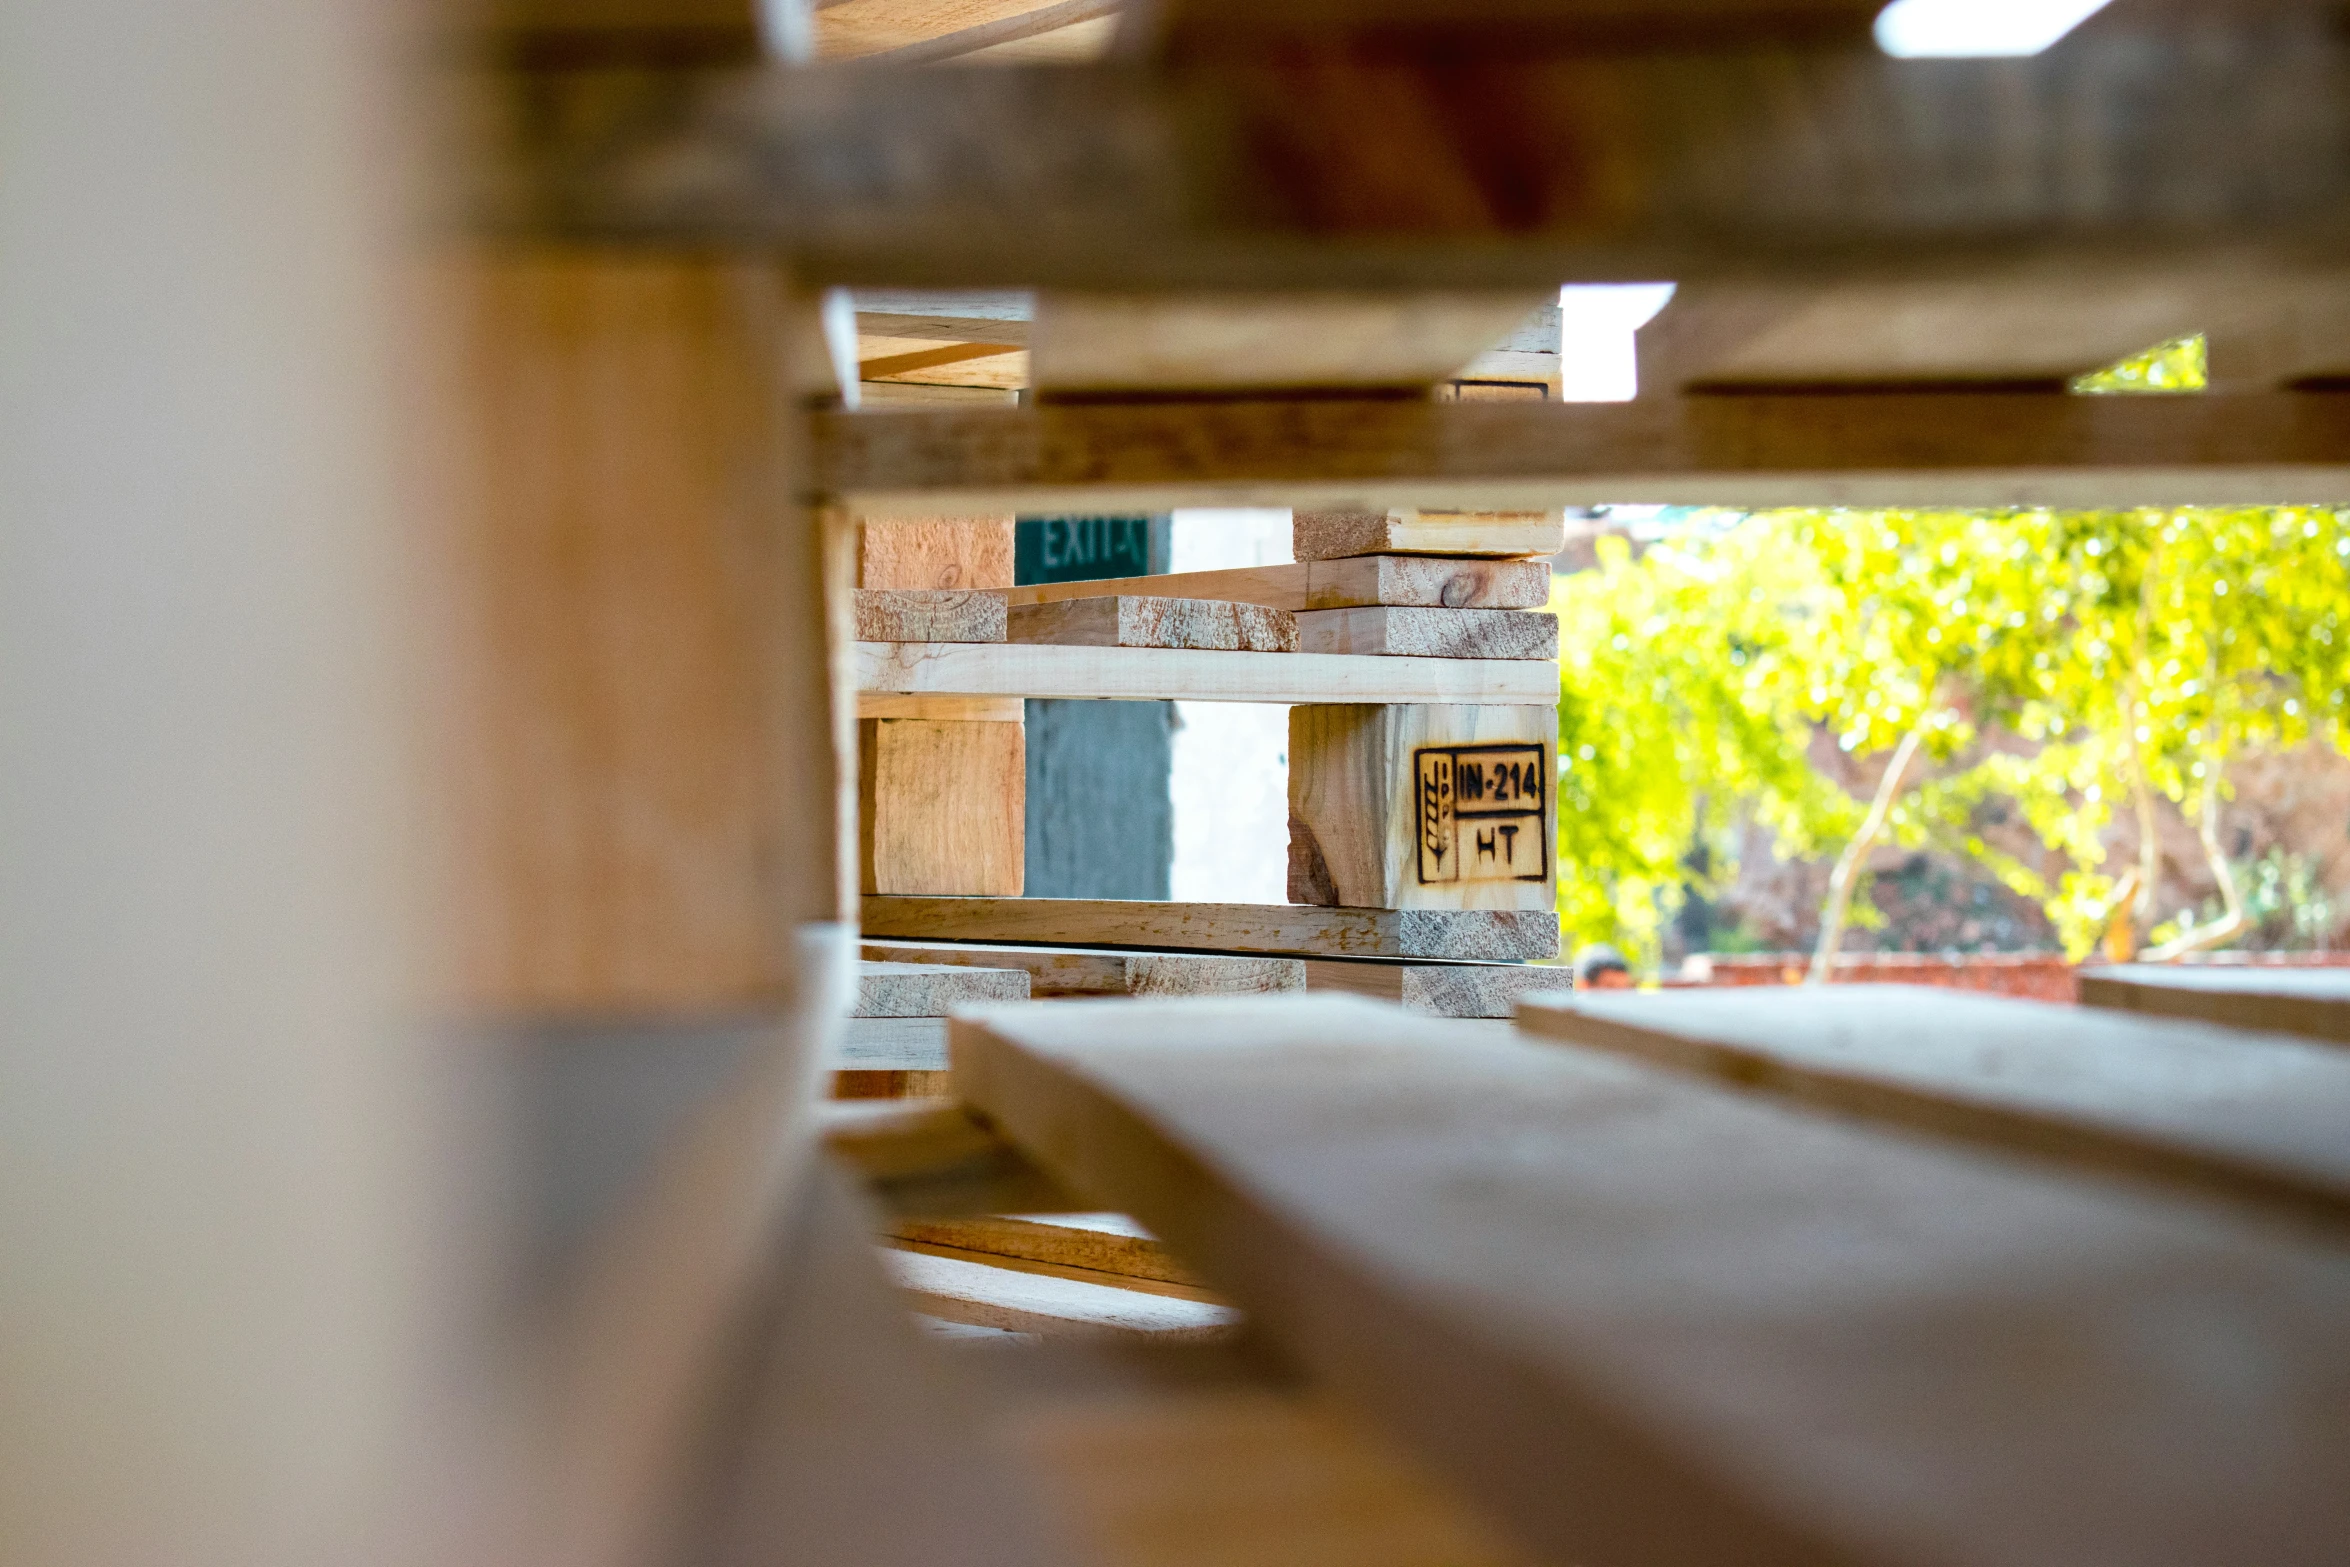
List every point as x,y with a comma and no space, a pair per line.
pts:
1423,746
896,1041
1405,555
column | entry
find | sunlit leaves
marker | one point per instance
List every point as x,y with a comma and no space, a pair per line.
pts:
2180,365
2117,651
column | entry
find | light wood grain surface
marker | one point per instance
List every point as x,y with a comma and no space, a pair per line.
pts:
1429,633
2260,1117
928,615
1424,806
1429,581
1649,1319
1184,674
1079,971
1138,620
1493,935
2314,1003
1320,535
886,989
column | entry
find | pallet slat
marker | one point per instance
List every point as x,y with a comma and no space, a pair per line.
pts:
1080,971
919,989
1149,674
1456,990
2255,1117
2314,1003
1647,1319
1489,935
1413,581
1155,620
1390,632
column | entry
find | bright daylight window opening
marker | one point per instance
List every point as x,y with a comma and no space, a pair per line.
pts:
1958,29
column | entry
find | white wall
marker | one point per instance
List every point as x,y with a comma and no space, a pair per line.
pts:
1230,783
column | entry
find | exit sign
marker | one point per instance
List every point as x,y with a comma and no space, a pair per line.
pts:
1086,549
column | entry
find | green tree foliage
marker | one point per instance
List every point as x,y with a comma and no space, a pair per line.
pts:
2180,365
2057,665
1677,706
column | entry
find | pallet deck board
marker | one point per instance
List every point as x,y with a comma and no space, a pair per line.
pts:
1490,935
1141,674
919,989
2258,1117
1082,971
1454,990
891,1044
2312,1002
1423,581
1751,1331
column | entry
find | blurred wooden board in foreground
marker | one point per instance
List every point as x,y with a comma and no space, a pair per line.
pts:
1746,1330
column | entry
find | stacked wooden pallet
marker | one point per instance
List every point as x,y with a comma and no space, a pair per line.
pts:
896,1040
1416,658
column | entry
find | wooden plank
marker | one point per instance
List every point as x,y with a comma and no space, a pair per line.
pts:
1227,341
1329,535
1893,449
1274,587
2250,1116
942,807
886,989
2311,1002
933,1159
863,1084
1487,935
1755,1334
1055,1303
882,366
928,615
1139,674
943,709
631,591
924,325
1999,327
1423,806
1065,971
1456,990
1430,633
899,396
1764,152
1427,582
1148,1475
891,1044
992,38
1134,620
1098,1242
934,553
1417,580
